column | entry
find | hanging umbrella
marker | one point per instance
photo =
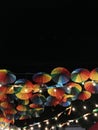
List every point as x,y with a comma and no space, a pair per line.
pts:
41,78
23,86
84,95
56,92
73,88
38,99
52,101
80,75
94,74
89,86
24,96
6,77
60,75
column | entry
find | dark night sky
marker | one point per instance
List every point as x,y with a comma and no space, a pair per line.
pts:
43,37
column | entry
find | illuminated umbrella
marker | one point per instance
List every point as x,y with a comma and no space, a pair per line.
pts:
94,74
60,75
24,96
41,78
56,92
72,88
80,75
6,77
84,95
23,86
89,86
36,88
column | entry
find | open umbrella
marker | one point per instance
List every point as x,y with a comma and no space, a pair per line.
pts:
94,74
73,88
56,92
6,77
80,75
84,95
41,78
89,86
60,75
23,86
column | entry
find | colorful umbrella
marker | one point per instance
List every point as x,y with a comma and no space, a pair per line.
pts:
89,86
84,95
23,86
6,77
52,101
80,75
24,96
38,99
41,78
94,74
56,92
72,88
60,75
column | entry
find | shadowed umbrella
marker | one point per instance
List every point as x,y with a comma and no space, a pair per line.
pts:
6,77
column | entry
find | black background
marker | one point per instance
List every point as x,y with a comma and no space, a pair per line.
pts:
45,35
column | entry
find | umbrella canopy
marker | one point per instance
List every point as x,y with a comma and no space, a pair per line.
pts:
41,77
80,75
60,75
56,92
94,74
6,77
89,86
84,95
73,88
23,86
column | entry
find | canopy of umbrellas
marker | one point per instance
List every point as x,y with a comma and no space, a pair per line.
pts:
23,99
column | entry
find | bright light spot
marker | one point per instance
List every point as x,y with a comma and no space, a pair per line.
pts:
84,107
95,114
96,105
59,125
73,109
85,118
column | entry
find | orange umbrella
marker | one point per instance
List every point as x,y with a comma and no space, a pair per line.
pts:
89,86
